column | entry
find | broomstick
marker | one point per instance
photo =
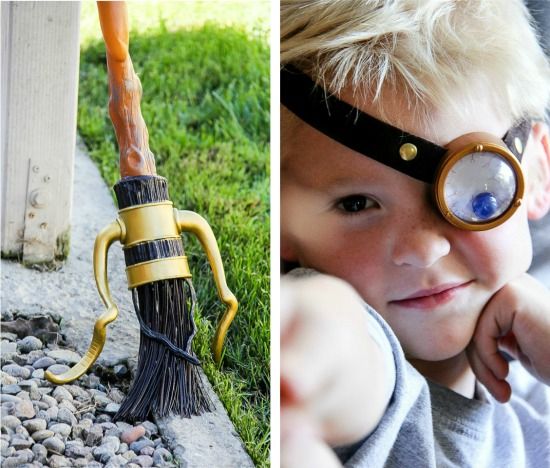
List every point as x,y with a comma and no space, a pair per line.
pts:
168,379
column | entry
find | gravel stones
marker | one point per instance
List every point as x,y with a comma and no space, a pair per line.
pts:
133,434
58,369
16,370
39,436
60,393
64,356
93,435
66,425
43,362
33,425
24,409
54,445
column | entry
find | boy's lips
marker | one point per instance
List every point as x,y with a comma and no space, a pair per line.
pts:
429,298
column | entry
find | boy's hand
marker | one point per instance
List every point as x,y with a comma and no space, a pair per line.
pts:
332,375
516,320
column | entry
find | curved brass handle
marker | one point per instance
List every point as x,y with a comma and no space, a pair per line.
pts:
192,222
104,239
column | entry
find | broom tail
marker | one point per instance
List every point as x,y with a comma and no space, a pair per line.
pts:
168,378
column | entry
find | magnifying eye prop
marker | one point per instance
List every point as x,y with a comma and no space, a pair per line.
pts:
479,183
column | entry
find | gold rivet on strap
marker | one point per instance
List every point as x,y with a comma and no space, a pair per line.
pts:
408,151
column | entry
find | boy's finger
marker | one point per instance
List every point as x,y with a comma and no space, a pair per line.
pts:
499,388
486,341
305,451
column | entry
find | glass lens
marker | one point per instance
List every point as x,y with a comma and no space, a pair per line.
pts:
480,187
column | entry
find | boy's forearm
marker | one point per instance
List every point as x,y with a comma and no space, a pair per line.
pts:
331,365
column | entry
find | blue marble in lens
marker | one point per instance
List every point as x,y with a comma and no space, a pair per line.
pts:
484,205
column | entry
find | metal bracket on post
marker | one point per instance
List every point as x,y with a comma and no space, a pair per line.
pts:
38,245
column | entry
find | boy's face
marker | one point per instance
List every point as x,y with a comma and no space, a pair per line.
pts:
347,215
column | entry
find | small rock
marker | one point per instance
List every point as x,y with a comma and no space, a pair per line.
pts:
124,426
94,435
67,405
33,356
5,378
6,335
9,351
11,422
43,362
150,428
77,392
16,371
39,436
24,395
31,387
54,445
61,428
51,401
7,409
12,389
61,394
116,395
133,434
4,444
43,415
25,454
140,444
64,415
103,418
143,460
52,413
89,416
83,425
25,410
59,461
8,452
19,443
162,457
40,405
116,461
76,449
33,425
103,453
129,455
100,398
58,369
45,390
38,374
112,408
82,462
147,451
112,442
21,431
9,398
64,356
13,462
92,381
123,448
120,370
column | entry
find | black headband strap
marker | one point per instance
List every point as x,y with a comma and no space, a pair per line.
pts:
362,132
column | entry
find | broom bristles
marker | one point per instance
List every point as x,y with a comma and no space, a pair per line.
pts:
165,383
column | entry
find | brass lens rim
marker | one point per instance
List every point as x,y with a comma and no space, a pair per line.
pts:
450,160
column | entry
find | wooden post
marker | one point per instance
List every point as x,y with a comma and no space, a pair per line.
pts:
39,92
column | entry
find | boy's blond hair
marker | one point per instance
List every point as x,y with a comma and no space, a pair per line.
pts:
434,53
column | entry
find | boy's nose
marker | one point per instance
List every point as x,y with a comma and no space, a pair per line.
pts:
421,243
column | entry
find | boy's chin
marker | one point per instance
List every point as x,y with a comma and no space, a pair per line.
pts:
433,349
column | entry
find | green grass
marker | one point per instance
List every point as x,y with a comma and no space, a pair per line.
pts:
206,105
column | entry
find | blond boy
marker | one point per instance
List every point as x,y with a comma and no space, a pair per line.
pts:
419,380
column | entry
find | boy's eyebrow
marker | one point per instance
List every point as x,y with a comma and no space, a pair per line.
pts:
367,135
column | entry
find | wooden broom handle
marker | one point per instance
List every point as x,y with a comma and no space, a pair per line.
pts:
124,93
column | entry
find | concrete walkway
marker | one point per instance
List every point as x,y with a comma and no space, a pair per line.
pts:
70,293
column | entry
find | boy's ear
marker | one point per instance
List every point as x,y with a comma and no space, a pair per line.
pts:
537,171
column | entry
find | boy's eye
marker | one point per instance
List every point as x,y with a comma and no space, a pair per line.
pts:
355,203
